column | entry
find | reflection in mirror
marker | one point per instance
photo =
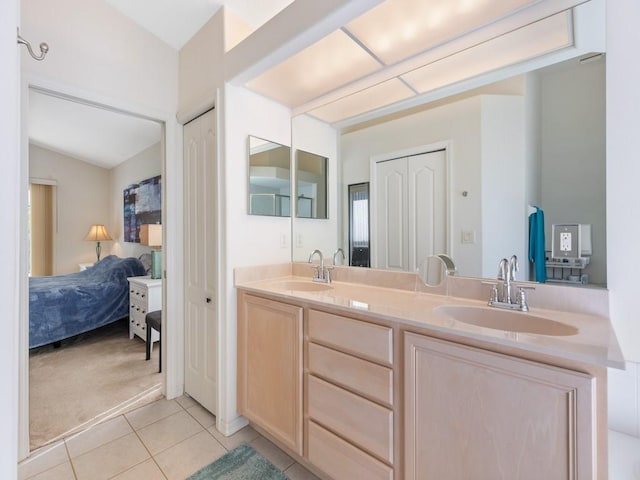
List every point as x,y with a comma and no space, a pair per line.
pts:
359,225
269,178
434,269
311,185
535,140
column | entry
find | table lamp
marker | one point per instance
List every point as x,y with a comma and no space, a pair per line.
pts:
151,235
98,233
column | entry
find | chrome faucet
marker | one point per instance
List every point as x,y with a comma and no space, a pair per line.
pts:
320,274
503,298
335,254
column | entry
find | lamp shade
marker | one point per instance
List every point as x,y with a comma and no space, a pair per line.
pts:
98,233
151,235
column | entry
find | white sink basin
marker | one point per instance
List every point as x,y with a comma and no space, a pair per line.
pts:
303,286
510,321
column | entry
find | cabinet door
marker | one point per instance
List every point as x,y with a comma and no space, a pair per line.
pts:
270,367
470,413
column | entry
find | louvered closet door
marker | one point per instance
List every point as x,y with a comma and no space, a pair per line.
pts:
200,260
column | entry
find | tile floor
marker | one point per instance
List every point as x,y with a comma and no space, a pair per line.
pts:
165,440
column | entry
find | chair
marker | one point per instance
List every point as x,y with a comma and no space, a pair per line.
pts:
154,320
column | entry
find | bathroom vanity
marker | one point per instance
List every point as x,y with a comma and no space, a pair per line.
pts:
362,381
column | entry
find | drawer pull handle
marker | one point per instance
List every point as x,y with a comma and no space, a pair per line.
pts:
208,299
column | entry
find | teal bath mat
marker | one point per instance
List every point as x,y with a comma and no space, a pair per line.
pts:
241,463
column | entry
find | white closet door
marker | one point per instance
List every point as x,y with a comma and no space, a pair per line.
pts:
391,215
427,206
410,210
200,260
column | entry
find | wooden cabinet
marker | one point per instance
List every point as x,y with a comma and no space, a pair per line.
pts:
349,397
145,295
470,413
270,367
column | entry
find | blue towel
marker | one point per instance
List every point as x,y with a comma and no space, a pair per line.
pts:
536,244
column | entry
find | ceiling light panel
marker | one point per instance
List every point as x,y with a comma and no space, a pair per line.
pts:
328,64
398,29
374,97
539,38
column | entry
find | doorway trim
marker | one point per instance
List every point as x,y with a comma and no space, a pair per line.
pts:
173,300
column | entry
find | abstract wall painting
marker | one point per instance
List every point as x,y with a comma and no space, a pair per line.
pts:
142,205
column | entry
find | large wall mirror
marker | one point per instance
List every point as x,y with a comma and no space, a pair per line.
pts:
537,139
311,185
269,178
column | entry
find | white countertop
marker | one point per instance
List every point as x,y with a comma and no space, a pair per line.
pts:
595,342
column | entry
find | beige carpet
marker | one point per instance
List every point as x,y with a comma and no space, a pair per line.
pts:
92,377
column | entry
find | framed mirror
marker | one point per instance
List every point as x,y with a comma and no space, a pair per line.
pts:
311,185
269,178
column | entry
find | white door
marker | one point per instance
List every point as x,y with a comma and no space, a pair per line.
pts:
410,209
200,260
391,215
427,206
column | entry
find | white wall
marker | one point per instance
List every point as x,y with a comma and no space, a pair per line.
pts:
573,150
10,241
247,240
82,199
96,48
505,225
458,123
201,68
317,137
145,164
623,216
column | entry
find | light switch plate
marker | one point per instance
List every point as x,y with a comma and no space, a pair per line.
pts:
468,236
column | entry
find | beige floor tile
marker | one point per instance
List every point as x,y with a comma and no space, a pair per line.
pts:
186,401
61,472
189,456
98,435
202,415
110,459
298,472
169,431
148,470
272,453
153,412
246,435
43,459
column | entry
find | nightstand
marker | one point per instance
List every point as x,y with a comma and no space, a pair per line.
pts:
145,295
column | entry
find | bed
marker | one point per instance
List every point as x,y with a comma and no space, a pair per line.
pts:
62,306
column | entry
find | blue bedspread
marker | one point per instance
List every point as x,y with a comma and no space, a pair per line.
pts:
65,305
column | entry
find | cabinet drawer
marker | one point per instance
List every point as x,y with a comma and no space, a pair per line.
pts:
366,424
341,460
370,379
367,340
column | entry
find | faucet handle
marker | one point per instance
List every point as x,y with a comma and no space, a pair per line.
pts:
522,297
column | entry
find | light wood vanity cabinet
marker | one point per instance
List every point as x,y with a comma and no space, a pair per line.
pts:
349,397
471,413
374,400
270,367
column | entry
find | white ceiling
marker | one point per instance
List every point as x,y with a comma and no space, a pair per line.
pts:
101,137
176,21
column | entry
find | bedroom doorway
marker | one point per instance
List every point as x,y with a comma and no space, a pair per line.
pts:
91,152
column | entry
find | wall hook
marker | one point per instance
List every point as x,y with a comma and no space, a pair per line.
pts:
44,48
